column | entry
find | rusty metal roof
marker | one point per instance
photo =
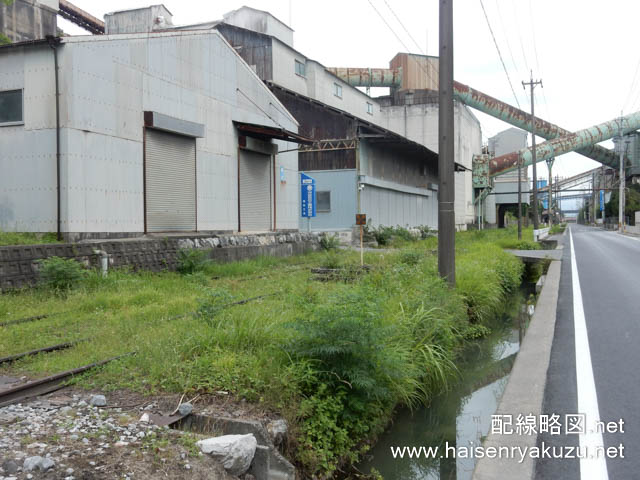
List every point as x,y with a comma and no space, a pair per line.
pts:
266,132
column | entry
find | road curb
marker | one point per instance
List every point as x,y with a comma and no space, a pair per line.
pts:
524,393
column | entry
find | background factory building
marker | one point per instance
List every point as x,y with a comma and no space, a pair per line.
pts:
359,165
158,132
363,168
503,198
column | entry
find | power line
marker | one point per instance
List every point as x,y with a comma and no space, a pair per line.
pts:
389,26
504,31
633,82
533,34
499,54
524,55
422,67
403,27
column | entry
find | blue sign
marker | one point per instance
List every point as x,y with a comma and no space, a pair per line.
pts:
602,200
307,195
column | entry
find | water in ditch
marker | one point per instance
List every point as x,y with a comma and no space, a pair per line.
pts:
462,415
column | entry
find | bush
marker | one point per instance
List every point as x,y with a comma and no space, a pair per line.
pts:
410,257
191,260
61,274
329,242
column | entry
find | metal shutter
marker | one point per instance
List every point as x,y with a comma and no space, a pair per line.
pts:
255,191
170,179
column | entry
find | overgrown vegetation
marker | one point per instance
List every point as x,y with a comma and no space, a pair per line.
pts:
192,260
396,236
61,274
329,241
21,238
334,358
557,228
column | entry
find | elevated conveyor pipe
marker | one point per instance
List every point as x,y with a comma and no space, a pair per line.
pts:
568,143
381,77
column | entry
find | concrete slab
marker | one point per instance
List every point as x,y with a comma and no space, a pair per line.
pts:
524,393
536,255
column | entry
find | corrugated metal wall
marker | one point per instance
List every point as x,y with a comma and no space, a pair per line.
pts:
389,207
170,180
255,192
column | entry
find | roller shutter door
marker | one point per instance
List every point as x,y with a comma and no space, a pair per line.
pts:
255,191
170,179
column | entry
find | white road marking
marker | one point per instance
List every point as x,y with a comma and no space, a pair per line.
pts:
591,441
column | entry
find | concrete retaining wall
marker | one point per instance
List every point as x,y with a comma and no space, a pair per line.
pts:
19,264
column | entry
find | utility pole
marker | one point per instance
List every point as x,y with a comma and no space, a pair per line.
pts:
519,199
593,195
550,196
446,190
621,150
532,85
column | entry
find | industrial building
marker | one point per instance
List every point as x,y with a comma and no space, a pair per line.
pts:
411,110
142,132
185,92
505,187
387,192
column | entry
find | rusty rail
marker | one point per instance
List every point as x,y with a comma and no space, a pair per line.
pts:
47,384
52,348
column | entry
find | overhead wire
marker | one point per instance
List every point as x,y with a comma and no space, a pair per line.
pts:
422,67
499,53
633,82
403,27
504,32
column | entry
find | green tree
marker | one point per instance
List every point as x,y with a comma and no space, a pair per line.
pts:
632,203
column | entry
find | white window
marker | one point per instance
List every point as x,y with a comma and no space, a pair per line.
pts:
370,108
337,90
300,70
323,201
11,107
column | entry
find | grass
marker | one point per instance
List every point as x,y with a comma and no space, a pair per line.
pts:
557,228
334,358
21,238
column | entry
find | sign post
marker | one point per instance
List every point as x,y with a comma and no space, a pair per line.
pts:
307,198
602,207
361,219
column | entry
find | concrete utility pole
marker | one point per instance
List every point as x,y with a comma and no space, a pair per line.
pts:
519,199
446,191
593,195
550,191
532,85
619,141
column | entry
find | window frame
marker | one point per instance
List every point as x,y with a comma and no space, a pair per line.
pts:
322,210
15,122
337,90
370,108
303,68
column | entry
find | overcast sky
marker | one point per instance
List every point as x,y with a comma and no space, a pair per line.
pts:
585,51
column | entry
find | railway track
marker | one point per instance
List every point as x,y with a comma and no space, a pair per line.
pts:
52,348
49,384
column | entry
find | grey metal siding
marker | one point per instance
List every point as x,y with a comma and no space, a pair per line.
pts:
389,207
255,191
170,179
342,185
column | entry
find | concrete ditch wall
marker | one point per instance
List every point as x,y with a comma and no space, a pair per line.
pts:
19,264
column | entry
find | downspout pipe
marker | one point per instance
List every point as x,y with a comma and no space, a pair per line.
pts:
53,43
559,146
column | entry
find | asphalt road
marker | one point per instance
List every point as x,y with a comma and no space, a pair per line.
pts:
608,267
